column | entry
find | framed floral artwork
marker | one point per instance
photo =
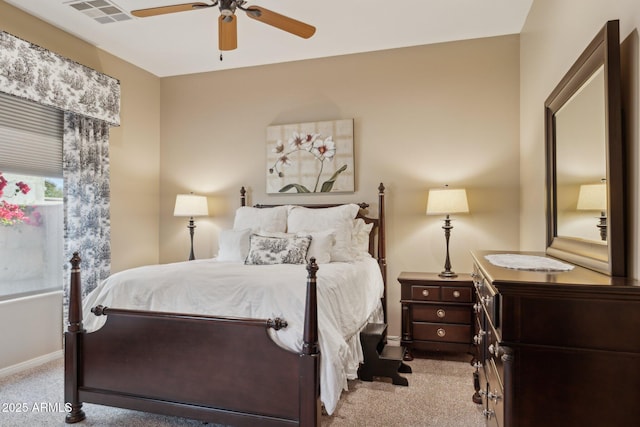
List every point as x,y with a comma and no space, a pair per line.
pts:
314,157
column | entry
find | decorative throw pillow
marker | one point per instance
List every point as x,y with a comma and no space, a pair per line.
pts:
320,246
269,219
233,245
337,218
265,250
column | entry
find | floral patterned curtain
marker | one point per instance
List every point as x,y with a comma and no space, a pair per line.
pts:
91,101
86,197
32,72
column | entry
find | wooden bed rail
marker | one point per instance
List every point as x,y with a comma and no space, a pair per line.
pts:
73,344
216,369
382,244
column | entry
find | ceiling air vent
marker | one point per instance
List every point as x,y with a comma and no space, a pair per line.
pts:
102,11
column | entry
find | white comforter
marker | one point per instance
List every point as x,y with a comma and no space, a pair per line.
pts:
348,296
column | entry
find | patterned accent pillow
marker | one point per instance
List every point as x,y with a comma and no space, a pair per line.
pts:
265,250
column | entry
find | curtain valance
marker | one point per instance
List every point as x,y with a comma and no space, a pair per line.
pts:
37,74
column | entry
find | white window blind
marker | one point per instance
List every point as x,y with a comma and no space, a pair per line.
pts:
30,137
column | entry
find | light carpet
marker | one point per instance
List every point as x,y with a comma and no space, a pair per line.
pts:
439,395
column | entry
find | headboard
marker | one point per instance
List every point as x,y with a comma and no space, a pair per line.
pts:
377,242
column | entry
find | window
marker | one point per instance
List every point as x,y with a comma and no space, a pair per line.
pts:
31,235
31,200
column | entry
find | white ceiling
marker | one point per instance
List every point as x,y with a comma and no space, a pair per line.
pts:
187,42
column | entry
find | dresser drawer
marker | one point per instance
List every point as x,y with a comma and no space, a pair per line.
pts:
494,398
441,313
441,332
425,293
456,294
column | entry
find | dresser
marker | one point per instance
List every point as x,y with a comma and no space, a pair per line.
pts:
436,312
556,348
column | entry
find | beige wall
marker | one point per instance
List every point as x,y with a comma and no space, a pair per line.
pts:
135,154
424,116
554,35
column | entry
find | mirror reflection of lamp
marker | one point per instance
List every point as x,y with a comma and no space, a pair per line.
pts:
445,201
593,197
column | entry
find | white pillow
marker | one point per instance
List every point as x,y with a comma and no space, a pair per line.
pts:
338,218
360,236
233,245
269,219
321,245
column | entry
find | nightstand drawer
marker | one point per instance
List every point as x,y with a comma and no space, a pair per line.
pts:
441,313
441,332
456,294
425,293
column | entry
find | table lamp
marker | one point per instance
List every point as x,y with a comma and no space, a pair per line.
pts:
191,205
446,201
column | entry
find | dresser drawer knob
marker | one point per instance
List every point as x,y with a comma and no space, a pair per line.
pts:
477,339
496,350
441,332
425,292
488,413
456,294
441,313
495,396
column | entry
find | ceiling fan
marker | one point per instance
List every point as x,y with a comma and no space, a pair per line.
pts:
227,28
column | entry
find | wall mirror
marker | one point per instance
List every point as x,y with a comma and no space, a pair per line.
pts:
584,150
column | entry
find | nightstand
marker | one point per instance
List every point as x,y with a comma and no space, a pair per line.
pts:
437,313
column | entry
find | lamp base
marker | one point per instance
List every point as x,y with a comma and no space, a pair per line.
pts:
448,274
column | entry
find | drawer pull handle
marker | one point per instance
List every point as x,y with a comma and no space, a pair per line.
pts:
441,313
441,332
496,350
425,292
488,413
477,339
456,294
495,396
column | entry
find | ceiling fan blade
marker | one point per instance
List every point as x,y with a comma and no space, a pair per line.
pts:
282,22
143,13
227,32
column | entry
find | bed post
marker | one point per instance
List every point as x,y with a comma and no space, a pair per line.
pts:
72,345
310,409
382,256
243,196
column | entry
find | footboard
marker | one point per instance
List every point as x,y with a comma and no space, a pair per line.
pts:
224,370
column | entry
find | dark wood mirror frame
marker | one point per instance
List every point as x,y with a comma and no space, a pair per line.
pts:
610,259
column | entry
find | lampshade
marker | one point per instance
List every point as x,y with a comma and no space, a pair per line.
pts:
191,205
447,201
592,197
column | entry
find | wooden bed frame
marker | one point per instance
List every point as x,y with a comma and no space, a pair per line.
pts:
210,368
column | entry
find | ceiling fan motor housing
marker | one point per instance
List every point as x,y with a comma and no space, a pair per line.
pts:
228,7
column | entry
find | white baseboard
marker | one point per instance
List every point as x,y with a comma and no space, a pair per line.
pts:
32,363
